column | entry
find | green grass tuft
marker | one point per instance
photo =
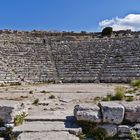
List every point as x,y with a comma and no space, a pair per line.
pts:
136,83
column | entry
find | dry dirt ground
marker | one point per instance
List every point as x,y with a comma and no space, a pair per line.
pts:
71,92
51,117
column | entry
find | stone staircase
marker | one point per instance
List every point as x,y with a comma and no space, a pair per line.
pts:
33,59
48,126
6,74
29,62
123,63
79,62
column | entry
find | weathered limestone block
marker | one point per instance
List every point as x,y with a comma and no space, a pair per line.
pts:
124,131
136,127
111,129
132,111
11,125
87,112
129,95
52,135
112,112
9,110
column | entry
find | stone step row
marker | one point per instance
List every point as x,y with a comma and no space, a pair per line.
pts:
54,135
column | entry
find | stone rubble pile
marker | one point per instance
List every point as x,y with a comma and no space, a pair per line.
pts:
115,117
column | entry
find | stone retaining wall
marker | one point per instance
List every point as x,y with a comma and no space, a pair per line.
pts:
118,119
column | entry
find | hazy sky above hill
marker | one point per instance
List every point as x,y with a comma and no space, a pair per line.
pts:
69,15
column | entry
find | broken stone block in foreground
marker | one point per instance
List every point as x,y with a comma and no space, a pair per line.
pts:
111,129
132,111
85,112
10,109
124,131
112,112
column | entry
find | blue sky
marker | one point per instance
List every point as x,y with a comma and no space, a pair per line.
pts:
68,15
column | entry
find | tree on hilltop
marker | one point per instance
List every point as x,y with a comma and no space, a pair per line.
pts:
107,31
